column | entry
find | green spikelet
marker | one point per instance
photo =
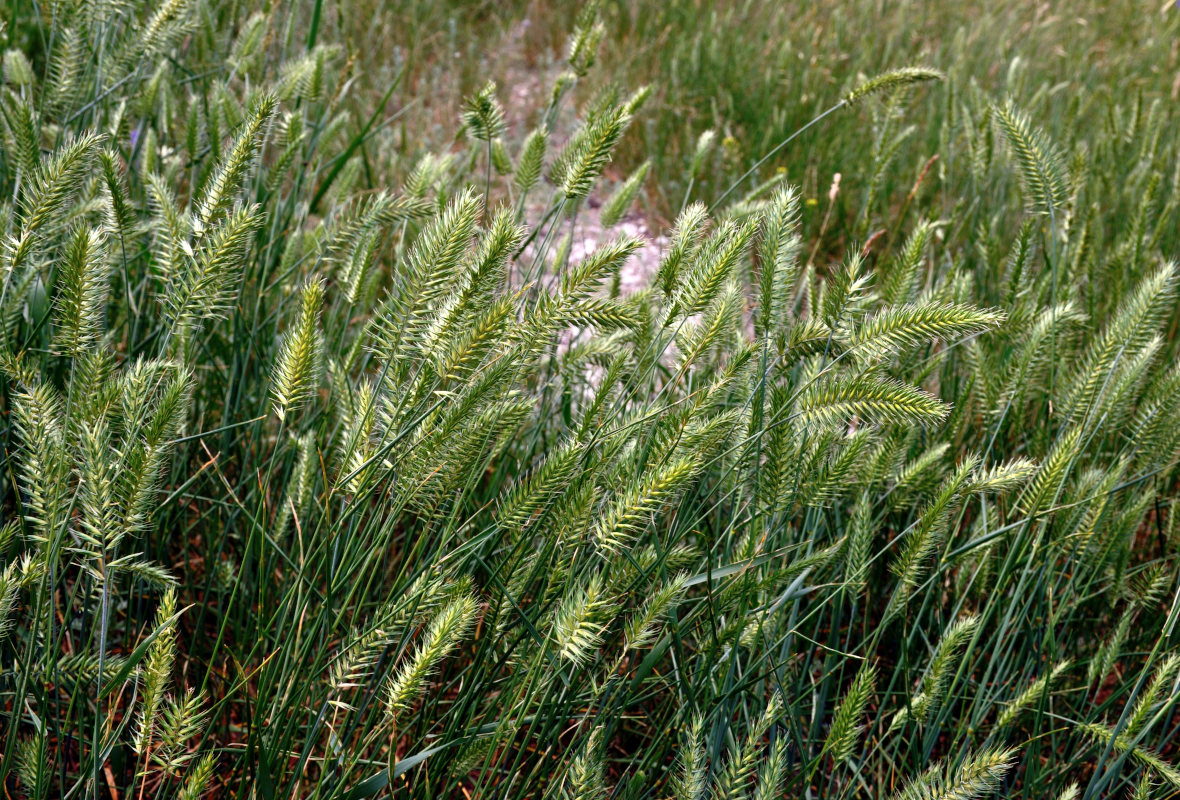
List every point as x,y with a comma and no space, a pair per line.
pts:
581,280
1111,647
483,118
846,722
713,267
361,652
179,722
838,399
1031,696
1144,756
46,464
429,269
939,673
918,475
231,171
1160,689
32,765
978,775
888,81
578,624
687,235
56,182
581,161
501,161
99,527
1143,789
1038,159
692,764
584,778
197,782
531,161
582,51
120,215
904,273
732,782
1033,357
23,134
643,498
927,534
157,673
1043,489
772,773
446,631
1132,328
532,497
469,349
843,291
17,70
81,293
898,328
718,319
643,627
169,22
1002,478
778,260
298,365
704,146
201,287
9,586
620,200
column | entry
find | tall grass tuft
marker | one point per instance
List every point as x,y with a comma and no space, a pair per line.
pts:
595,413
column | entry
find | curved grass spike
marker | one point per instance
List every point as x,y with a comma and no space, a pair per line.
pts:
580,621
1039,160
978,775
847,720
897,328
230,174
624,519
731,782
937,680
894,79
448,628
581,161
778,261
621,199
428,271
297,368
531,161
836,399
56,182
483,117
81,292
714,264
691,763
584,778
1034,694
1144,756
687,235
1132,327
200,283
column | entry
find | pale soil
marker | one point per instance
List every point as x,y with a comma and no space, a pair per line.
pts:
525,91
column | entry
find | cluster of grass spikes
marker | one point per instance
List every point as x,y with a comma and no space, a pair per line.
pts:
329,478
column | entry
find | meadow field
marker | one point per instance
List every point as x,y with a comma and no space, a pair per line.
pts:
623,399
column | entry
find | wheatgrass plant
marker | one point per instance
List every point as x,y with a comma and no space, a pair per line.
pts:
333,469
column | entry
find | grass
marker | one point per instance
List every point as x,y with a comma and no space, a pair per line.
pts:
339,464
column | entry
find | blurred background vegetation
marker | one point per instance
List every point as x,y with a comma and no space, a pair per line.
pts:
754,71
